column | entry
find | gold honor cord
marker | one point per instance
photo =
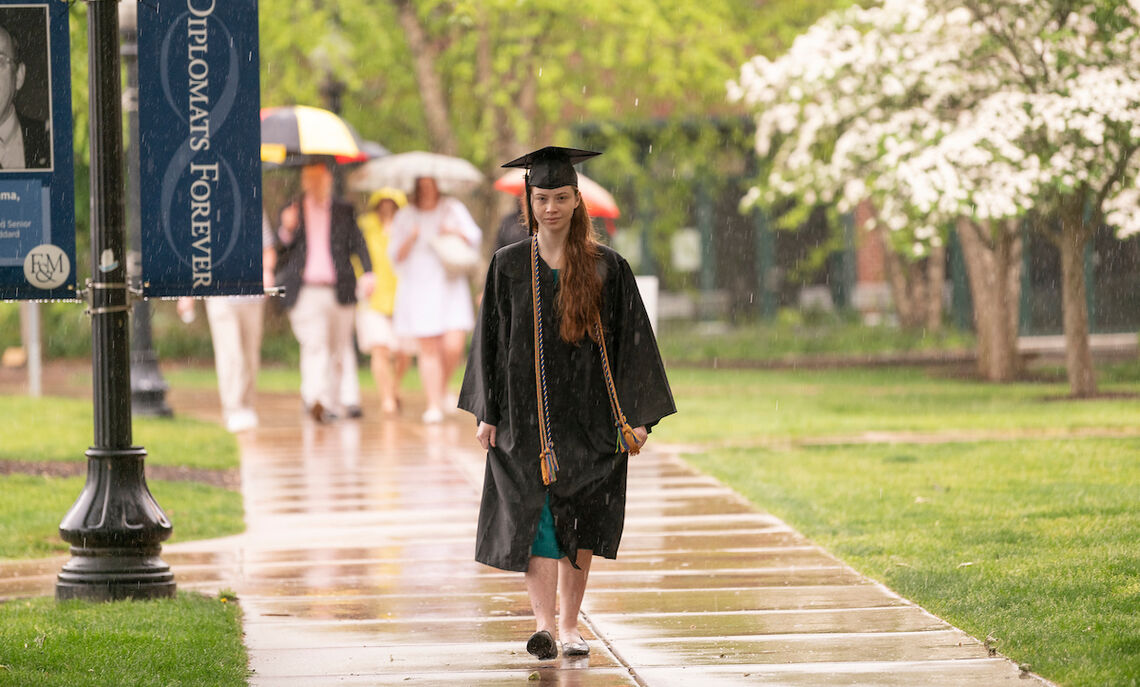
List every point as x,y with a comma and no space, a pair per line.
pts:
547,459
626,438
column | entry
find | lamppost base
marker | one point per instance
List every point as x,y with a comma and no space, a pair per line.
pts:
150,404
114,575
148,387
115,529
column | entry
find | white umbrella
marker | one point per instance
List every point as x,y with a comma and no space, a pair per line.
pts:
452,174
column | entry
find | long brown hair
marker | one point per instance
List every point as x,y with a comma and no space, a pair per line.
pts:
580,285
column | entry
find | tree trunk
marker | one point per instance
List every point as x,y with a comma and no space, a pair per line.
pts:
916,288
431,87
1074,299
936,286
993,267
897,275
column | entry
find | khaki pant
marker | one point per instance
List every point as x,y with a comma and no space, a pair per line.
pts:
323,327
235,329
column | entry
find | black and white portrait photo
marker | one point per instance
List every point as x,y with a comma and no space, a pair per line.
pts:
25,89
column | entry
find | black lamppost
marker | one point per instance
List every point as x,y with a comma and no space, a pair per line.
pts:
332,90
148,388
115,528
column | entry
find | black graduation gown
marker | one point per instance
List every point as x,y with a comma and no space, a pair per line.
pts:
588,497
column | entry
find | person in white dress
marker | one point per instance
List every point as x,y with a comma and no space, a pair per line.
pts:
432,306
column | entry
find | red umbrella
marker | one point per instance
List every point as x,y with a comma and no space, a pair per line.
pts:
598,200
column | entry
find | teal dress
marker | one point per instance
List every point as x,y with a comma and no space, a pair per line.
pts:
545,543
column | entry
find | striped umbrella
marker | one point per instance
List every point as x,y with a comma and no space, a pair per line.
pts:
298,134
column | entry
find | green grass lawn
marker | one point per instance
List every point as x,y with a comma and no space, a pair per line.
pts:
763,405
1030,540
61,429
188,641
33,505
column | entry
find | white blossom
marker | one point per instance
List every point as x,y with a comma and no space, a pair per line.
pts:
908,104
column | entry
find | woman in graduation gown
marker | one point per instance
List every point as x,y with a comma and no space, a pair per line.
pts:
555,483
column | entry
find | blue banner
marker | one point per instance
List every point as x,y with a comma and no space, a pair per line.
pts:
200,146
37,193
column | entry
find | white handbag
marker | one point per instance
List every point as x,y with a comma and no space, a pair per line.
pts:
458,257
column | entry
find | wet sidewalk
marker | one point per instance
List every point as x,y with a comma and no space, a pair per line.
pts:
356,569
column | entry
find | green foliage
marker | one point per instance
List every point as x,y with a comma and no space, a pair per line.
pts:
591,62
587,60
188,640
658,171
794,334
517,73
779,23
81,135
65,329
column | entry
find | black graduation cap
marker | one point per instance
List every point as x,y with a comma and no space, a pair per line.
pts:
552,166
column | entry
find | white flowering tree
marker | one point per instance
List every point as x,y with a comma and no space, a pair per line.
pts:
971,114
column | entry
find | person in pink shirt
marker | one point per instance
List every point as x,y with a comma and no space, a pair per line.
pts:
318,238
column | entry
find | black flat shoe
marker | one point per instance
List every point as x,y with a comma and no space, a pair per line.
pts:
578,648
319,413
541,645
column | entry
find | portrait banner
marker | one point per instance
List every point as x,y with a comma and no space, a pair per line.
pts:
200,148
37,181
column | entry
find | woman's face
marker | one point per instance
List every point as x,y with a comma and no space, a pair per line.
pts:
554,207
427,193
387,208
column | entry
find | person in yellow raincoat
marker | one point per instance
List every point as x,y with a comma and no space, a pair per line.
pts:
391,356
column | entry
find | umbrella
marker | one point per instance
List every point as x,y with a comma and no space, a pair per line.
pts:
452,174
372,149
297,134
598,200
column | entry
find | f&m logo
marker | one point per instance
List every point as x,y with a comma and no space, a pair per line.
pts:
46,266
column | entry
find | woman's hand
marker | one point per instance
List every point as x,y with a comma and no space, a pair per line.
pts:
365,285
450,229
290,220
642,435
486,435
405,248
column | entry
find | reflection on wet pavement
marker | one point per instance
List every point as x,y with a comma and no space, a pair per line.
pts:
357,569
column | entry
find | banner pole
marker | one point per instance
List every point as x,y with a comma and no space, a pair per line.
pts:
116,527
